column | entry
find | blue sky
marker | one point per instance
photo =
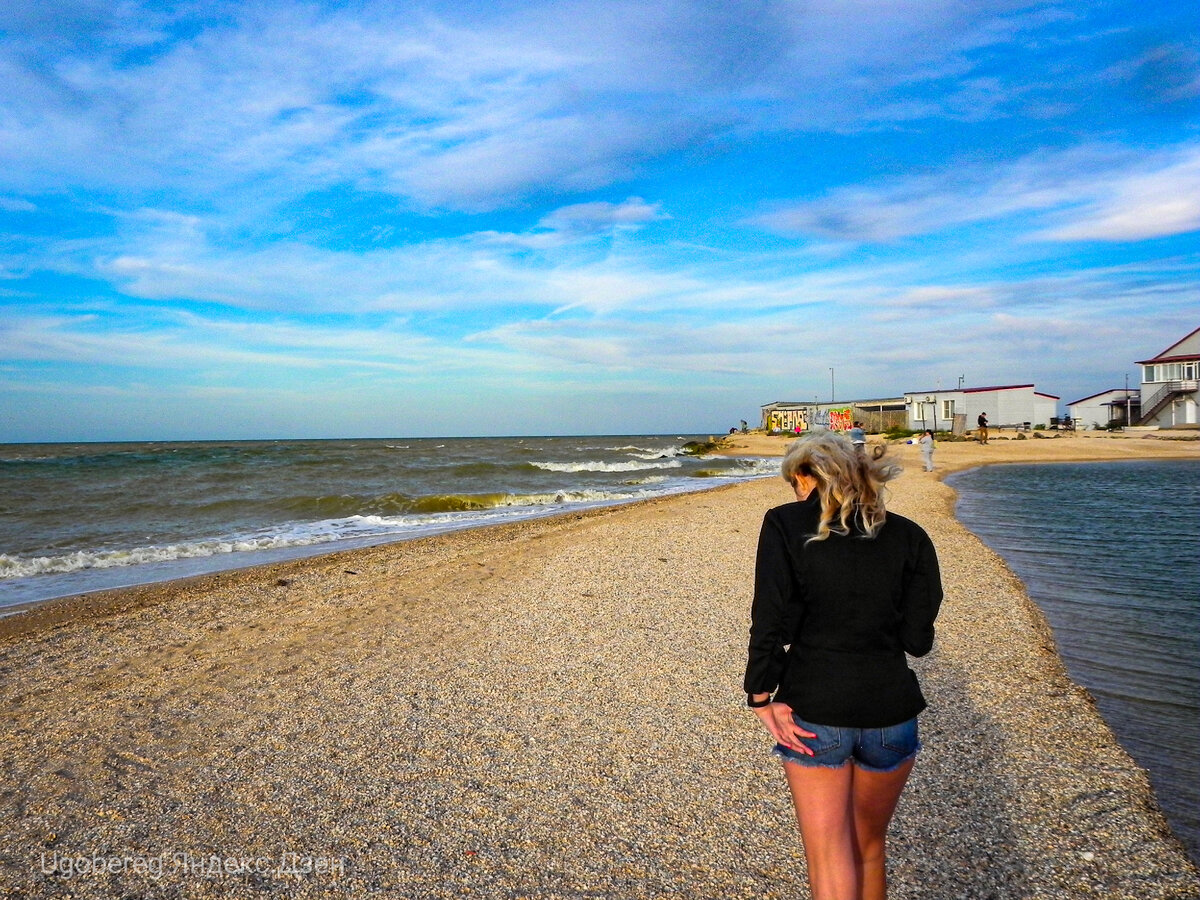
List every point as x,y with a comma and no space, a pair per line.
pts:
322,220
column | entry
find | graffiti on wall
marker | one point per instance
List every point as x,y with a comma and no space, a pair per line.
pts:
801,419
787,420
841,419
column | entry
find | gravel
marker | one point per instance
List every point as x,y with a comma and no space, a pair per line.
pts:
550,709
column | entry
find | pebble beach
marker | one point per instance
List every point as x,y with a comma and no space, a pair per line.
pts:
545,709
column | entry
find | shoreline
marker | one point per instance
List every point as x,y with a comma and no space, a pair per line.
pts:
378,492
543,708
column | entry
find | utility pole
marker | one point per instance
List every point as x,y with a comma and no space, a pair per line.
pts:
832,393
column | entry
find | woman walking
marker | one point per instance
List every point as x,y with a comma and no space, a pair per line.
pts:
843,590
926,444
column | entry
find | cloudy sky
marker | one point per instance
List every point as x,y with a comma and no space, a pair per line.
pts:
228,220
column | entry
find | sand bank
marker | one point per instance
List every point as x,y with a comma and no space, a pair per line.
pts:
1009,447
546,709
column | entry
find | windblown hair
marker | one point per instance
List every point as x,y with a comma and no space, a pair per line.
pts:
850,483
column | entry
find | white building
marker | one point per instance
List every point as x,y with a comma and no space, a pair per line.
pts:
1119,406
1169,384
1007,406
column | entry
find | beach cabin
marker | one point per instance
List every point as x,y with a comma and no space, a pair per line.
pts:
1017,406
877,415
1169,385
1114,408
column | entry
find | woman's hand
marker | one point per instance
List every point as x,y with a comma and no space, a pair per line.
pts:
777,717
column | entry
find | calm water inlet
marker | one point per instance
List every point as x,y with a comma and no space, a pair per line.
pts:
1109,552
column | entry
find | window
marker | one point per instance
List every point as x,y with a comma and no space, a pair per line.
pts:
1149,375
947,409
1189,371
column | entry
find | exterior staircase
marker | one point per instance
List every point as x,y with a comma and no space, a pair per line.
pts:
1152,405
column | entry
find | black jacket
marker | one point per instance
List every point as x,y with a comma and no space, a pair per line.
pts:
850,608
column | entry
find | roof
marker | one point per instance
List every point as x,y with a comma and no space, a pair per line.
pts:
1006,387
1162,357
1047,396
884,401
878,401
1134,394
999,387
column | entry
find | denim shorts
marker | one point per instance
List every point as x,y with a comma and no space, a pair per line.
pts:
873,749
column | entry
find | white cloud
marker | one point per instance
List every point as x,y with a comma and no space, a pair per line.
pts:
1096,193
16,204
601,216
453,111
1158,198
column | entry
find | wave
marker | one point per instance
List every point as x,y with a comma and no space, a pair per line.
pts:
741,468
648,452
301,536
484,467
439,503
426,514
755,465
597,466
18,567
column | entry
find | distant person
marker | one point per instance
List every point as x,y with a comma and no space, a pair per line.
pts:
858,437
926,445
983,428
846,589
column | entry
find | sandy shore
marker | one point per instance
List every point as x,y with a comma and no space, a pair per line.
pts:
1008,447
547,709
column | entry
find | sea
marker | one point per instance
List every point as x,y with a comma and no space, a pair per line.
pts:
82,517
1110,553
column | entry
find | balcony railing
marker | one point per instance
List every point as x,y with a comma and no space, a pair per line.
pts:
1162,396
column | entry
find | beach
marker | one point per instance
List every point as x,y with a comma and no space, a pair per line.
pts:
549,708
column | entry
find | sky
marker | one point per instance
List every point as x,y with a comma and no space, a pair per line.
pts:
287,220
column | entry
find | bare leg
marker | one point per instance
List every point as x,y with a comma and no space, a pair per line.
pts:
875,795
825,811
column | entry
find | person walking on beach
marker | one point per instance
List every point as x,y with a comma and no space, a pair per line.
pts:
983,426
843,590
858,437
926,444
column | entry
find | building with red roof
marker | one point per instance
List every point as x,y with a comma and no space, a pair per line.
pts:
1169,385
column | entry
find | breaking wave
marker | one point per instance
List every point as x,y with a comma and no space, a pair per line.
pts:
598,466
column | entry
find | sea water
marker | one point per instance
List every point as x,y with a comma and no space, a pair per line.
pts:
1109,552
81,517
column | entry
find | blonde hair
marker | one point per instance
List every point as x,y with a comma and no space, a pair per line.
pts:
850,483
